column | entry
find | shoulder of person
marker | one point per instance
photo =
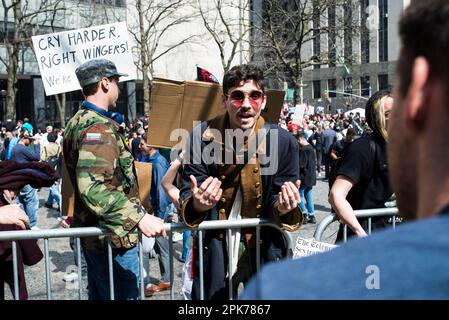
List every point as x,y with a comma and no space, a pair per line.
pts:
359,152
97,124
310,148
89,118
84,119
341,143
362,144
284,135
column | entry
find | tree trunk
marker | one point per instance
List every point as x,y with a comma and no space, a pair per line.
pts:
150,88
146,90
13,49
144,56
61,101
11,89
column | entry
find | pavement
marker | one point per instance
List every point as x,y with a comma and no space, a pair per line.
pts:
61,258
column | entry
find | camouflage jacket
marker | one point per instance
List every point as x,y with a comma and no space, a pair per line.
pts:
102,172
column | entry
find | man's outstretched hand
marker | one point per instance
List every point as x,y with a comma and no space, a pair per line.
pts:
207,195
289,196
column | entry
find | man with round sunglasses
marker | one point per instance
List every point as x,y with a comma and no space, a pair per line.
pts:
237,166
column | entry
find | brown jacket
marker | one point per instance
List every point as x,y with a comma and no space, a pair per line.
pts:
250,181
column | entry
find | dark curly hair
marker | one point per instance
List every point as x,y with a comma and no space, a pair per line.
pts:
52,136
243,72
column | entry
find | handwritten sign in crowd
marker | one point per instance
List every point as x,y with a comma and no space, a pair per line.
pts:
59,54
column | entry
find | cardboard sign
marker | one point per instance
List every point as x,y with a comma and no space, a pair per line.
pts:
307,247
143,171
67,193
59,54
176,105
272,111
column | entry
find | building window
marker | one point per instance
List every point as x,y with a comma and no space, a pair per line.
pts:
332,87
116,3
383,82
365,86
364,37
317,89
140,108
383,30
348,85
332,38
9,32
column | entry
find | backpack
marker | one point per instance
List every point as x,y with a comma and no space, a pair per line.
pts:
337,163
55,161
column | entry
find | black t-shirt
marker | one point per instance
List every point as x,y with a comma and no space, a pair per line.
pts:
307,166
317,137
339,146
368,171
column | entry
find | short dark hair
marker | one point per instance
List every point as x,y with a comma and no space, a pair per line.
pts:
90,89
243,72
424,31
52,136
350,132
144,137
300,135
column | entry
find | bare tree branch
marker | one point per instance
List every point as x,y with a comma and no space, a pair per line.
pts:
156,18
284,28
224,29
20,22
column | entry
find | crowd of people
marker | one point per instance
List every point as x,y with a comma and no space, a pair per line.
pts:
317,142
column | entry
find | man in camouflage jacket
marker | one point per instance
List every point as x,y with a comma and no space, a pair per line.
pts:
102,172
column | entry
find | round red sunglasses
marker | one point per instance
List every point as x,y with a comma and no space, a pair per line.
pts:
255,97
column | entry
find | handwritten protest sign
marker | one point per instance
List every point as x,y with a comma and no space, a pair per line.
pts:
59,54
306,247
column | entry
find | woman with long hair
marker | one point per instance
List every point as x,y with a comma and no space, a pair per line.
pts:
362,178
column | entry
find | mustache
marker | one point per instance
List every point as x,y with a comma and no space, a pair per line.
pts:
246,113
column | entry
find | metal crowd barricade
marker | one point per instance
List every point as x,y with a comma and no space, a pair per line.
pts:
367,213
78,233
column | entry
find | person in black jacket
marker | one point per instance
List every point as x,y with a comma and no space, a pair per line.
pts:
315,142
307,175
13,176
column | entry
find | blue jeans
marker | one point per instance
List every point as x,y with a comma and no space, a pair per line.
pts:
185,248
30,203
126,273
307,191
54,194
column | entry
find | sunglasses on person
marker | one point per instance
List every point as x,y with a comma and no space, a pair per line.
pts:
238,97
